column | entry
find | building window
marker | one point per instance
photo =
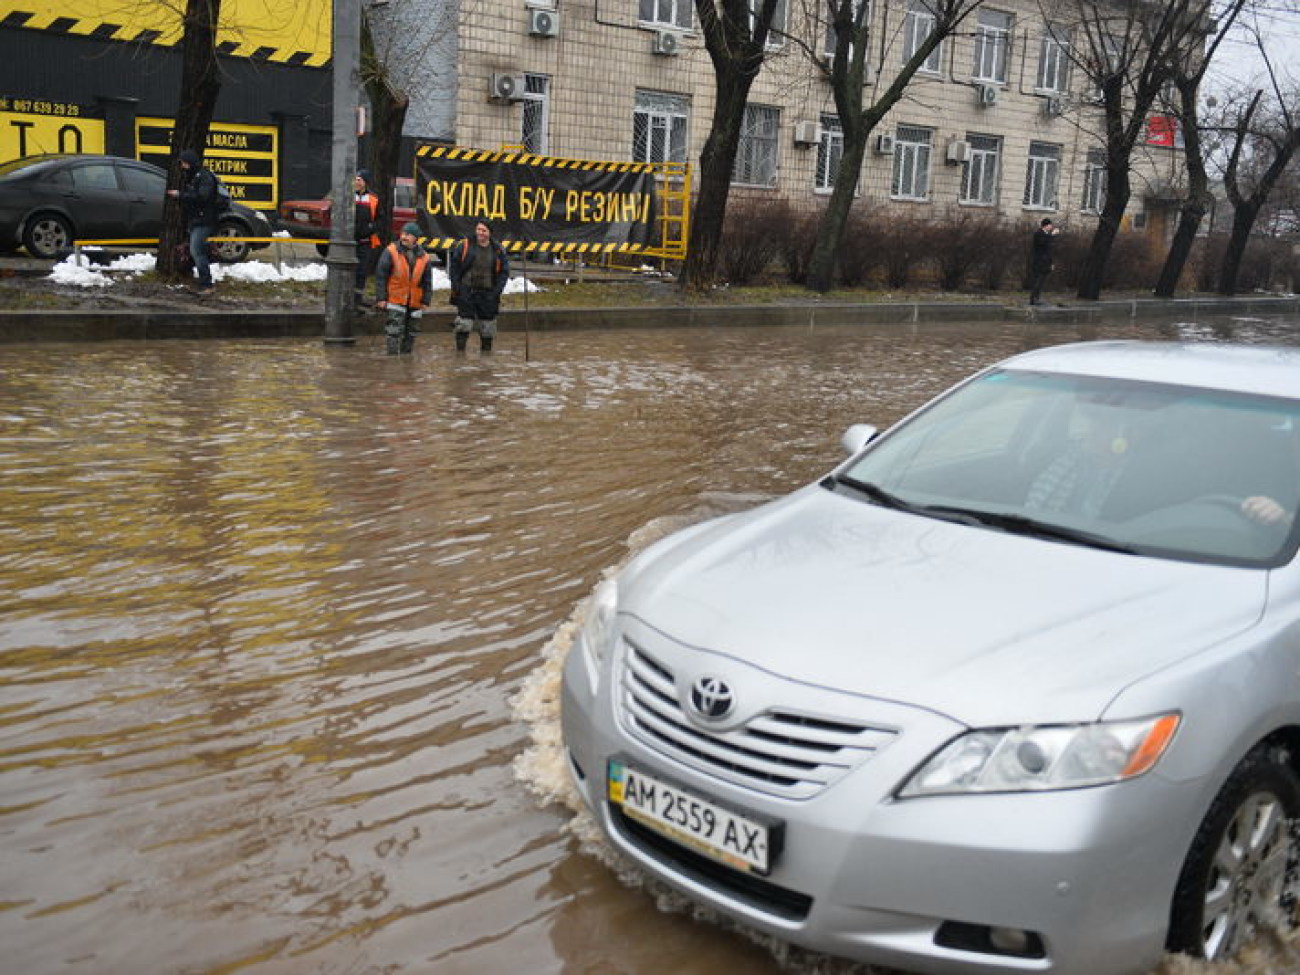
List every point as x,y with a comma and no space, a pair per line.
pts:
860,8
979,174
1043,176
1094,182
830,150
919,24
992,39
1054,60
659,127
537,114
911,179
667,13
776,33
756,154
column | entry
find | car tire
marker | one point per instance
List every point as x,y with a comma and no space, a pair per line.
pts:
1238,874
47,236
230,251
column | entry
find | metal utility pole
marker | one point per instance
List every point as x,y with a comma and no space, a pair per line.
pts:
342,259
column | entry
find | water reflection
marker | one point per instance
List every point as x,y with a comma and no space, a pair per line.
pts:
267,604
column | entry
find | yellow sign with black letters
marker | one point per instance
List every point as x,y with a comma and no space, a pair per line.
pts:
31,126
244,156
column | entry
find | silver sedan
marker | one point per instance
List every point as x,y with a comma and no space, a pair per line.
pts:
1016,688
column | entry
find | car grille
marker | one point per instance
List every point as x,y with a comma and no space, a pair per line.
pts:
782,752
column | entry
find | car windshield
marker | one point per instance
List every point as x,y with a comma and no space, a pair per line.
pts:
1160,470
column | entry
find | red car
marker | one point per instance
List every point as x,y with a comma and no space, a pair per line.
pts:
310,219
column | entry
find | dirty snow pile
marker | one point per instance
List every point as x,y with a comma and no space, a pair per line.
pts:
79,271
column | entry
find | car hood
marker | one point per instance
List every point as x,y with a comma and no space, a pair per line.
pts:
985,627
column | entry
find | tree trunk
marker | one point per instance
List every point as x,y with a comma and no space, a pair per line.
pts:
200,85
1190,216
1243,222
1094,264
717,163
830,230
389,111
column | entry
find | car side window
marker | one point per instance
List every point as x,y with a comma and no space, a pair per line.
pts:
94,176
142,181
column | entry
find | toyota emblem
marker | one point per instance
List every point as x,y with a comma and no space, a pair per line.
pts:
711,698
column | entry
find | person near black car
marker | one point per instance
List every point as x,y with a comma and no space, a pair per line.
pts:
199,203
367,239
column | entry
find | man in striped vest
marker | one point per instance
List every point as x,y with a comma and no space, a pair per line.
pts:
402,279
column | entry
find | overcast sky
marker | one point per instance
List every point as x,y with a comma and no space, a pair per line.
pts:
1239,61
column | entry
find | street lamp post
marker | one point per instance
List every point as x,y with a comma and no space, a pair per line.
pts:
341,261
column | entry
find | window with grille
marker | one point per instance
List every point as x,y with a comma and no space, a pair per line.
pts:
1094,182
918,25
776,33
830,150
1054,60
979,175
992,40
1043,175
756,155
659,127
667,13
537,114
911,179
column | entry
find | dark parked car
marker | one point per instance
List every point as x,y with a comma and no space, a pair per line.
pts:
310,219
49,202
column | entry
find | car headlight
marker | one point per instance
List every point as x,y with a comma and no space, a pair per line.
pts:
597,631
1035,759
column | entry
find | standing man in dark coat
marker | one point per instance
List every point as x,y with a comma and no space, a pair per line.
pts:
367,208
199,203
1040,259
479,270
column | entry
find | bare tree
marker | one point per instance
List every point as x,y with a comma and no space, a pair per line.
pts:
1188,66
200,85
1126,49
1264,142
735,34
858,114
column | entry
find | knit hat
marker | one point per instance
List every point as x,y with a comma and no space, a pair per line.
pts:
364,174
189,157
411,228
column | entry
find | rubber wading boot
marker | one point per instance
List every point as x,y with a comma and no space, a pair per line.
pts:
485,344
392,345
462,340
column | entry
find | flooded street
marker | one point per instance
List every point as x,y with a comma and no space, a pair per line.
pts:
280,623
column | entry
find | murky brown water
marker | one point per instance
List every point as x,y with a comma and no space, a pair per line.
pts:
279,628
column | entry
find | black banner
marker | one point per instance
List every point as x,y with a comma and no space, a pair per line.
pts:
537,202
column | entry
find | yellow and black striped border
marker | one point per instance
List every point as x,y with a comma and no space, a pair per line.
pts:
516,158
551,247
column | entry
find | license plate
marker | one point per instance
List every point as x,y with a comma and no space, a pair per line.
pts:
301,216
742,842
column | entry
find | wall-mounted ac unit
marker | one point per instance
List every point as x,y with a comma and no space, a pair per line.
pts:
506,88
807,133
884,145
958,151
987,94
543,23
667,43
1053,106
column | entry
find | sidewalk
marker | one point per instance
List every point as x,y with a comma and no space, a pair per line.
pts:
120,317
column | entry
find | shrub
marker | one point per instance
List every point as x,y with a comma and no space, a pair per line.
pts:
1001,253
752,237
796,245
860,248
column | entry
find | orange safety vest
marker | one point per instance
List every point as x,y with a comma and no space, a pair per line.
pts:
404,283
372,201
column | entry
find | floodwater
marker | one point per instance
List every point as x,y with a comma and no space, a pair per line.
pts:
280,628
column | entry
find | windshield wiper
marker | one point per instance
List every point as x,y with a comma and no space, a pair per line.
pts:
887,499
1023,525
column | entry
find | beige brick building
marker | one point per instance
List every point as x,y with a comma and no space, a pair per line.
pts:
1000,121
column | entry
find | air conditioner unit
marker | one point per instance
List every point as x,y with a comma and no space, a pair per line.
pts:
958,151
543,23
507,88
667,43
1053,106
807,133
884,145
988,94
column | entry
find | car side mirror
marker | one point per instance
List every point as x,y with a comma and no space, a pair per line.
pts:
856,437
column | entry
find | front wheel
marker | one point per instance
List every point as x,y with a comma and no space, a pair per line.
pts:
47,236
1239,876
229,251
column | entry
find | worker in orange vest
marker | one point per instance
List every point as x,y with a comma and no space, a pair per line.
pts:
402,279
366,230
